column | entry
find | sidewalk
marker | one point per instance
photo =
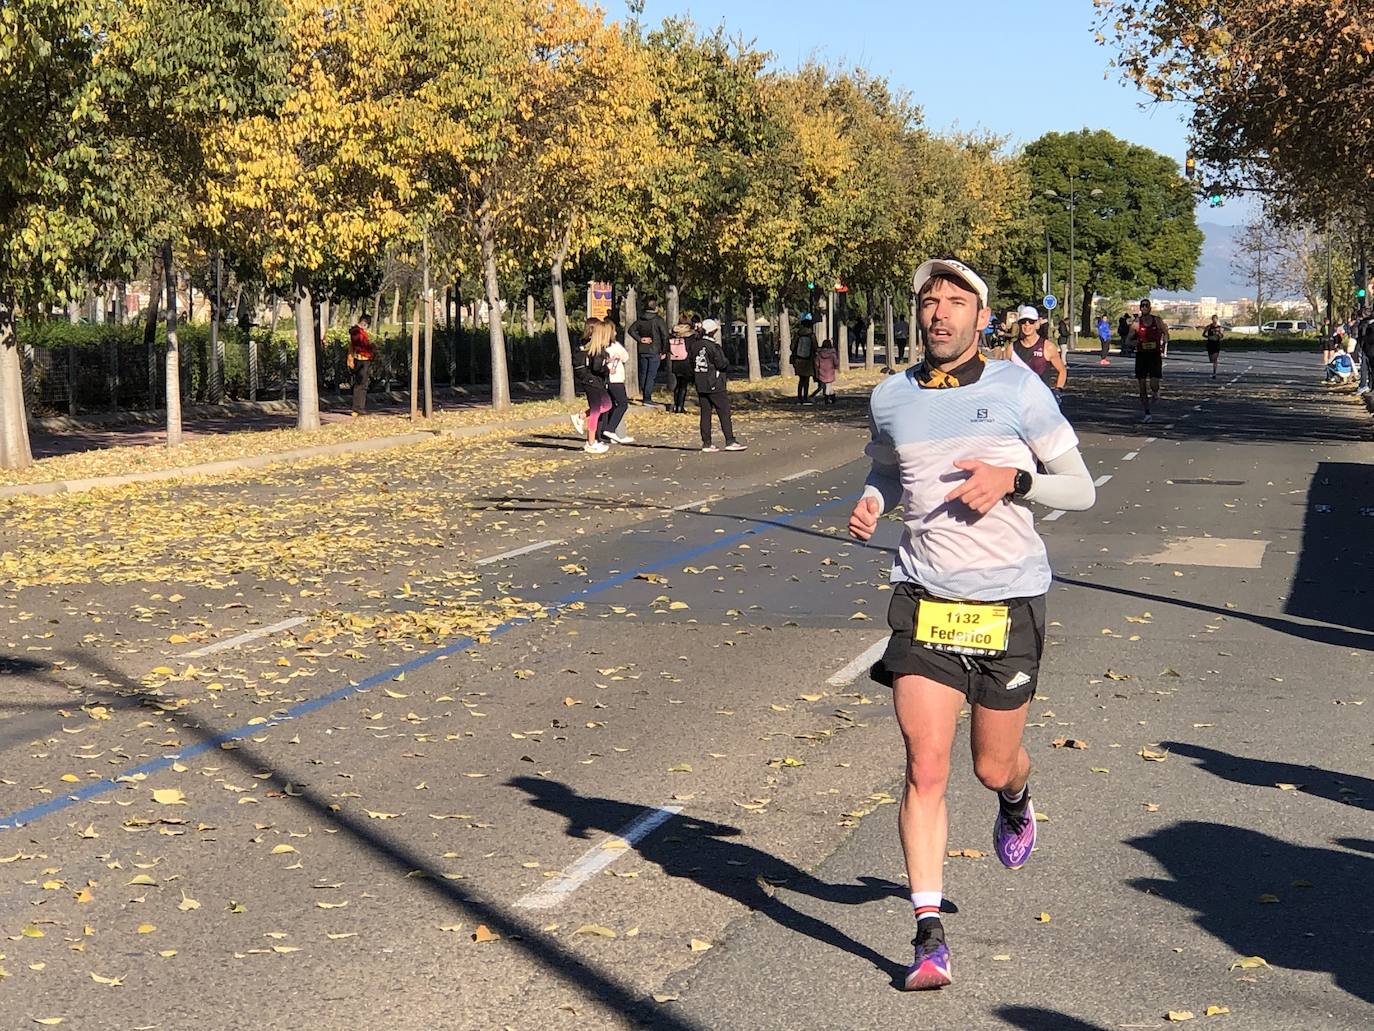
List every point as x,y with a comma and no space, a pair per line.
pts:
225,442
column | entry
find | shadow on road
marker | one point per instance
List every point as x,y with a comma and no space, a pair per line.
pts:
1336,559
1322,634
700,851
1035,1018
1348,789
1220,871
411,867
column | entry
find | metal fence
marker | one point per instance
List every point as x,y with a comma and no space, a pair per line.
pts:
113,368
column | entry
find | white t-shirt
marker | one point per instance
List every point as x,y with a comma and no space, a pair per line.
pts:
616,357
1007,418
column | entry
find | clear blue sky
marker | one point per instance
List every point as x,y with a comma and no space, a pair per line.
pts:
1019,68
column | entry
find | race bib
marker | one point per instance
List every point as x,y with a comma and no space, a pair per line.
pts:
963,627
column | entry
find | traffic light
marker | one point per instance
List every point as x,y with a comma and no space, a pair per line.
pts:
1214,197
1190,166
1359,294
811,284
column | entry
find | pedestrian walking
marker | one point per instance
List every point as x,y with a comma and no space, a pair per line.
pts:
827,368
1062,332
1211,336
1148,336
609,427
590,372
901,330
969,581
650,334
1104,335
709,367
679,367
1123,333
804,358
360,355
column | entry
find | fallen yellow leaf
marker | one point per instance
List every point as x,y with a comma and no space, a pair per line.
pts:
484,934
697,945
596,929
169,796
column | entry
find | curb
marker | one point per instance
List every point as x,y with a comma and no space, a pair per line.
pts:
261,461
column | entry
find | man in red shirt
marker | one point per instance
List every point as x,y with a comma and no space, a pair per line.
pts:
1151,337
360,361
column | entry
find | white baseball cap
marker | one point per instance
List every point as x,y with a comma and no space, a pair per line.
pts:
709,325
1027,311
949,267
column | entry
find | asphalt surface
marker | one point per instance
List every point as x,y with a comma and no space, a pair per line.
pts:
559,741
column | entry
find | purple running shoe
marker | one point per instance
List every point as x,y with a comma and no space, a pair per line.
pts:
930,968
1013,835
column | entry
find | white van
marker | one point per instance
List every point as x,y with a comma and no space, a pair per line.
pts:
1287,327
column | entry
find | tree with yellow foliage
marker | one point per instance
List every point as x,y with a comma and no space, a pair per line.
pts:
319,183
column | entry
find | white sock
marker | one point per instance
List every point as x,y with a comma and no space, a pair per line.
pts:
1013,799
927,904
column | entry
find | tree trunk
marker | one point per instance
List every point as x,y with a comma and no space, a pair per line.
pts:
1086,325
673,305
396,305
751,335
272,337
415,364
631,344
567,390
427,292
784,340
172,371
307,390
216,347
14,424
890,348
529,315
913,336
500,381
121,302
839,318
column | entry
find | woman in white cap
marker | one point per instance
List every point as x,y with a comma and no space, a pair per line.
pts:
709,366
1033,349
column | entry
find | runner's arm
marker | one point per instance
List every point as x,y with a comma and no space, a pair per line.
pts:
1053,356
1066,484
884,478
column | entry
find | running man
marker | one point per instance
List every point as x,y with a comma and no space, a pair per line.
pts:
969,580
1150,336
1212,336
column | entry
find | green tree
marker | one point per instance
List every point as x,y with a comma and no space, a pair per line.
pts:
1137,234
109,104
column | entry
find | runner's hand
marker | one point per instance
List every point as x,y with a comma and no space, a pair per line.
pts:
864,519
985,487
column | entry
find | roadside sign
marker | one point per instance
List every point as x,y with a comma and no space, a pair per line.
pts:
599,297
1049,301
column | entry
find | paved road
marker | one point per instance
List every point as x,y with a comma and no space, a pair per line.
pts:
625,744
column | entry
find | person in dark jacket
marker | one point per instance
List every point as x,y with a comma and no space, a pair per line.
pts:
709,366
650,334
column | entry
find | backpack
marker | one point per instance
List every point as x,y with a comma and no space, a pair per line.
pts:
677,349
805,346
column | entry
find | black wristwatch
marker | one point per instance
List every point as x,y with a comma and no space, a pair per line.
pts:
1022,484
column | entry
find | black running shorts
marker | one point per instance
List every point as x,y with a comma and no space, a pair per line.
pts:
1149,365
1005,682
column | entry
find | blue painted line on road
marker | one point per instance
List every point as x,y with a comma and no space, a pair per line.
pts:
100,787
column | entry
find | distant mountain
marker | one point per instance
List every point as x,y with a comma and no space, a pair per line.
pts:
1214,275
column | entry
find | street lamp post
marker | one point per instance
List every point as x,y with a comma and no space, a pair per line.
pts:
1071,202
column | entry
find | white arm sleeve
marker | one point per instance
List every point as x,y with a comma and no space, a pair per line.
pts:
1066,484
